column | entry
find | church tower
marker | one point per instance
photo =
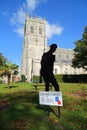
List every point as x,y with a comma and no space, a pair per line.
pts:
35,44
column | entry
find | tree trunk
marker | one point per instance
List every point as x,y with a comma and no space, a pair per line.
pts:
9,77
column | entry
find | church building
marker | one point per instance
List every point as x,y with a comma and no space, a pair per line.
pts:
35,44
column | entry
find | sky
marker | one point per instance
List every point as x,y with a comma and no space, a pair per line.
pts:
66,20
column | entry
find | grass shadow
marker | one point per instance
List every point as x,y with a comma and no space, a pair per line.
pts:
21,110
46,109
11,87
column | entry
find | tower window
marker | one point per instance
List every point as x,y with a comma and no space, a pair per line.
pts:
67,56
59,55
32,29
40,30
55,70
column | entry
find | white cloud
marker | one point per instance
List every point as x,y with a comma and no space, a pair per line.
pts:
32,4
18,19
20,31
52,29
29,6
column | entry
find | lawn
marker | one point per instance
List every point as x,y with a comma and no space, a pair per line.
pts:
20,108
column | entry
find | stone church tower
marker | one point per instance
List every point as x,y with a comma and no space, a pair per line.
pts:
35,44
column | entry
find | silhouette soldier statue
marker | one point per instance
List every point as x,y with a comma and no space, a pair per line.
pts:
47,63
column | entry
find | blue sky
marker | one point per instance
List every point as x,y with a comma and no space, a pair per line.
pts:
66,20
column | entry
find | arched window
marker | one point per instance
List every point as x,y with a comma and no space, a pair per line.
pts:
32,29
55,70
67,56
40,30
59,55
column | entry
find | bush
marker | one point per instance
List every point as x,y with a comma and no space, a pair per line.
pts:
82,78
0,81
23,78
36,79
75,78
59,77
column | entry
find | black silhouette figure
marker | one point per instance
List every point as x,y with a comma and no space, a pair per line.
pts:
46,71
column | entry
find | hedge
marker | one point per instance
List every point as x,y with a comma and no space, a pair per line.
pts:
82,78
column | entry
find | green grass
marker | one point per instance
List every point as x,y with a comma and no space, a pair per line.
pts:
20,109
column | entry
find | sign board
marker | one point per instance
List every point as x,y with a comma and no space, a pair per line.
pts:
50,98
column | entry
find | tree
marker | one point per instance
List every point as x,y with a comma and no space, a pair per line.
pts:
3,60
80,55
10,69
7,68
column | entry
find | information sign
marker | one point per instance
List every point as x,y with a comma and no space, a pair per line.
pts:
50,98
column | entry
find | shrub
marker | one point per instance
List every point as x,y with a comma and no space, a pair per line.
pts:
59,77
23,78
0,81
